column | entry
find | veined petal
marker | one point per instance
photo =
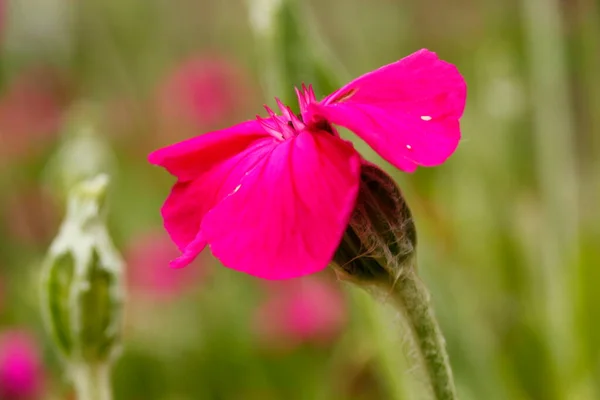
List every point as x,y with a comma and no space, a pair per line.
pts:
289,214
190,158
408,111
207,172
190,201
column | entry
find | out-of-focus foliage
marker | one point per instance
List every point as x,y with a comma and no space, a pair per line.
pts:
509,228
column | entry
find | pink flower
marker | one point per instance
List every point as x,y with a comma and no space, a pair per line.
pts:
304,310
273,197
148,257
200,93
30,114
20,366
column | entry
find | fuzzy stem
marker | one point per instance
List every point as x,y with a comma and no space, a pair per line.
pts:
378,253
92,382
411,297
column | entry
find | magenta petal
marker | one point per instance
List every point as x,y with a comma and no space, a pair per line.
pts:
181,214
209,168
190,252
408,111
289,214
190,158
189,201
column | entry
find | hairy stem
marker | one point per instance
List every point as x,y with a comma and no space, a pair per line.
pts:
411,297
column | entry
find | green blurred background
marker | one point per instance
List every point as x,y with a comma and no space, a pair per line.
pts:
509,227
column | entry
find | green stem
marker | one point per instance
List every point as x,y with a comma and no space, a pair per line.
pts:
263,21
411,297
557,161
92,382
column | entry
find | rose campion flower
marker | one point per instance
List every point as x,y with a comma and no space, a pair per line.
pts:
272,197
299,311
20,366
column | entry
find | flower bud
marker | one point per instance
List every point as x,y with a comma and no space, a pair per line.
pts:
380,240
82,289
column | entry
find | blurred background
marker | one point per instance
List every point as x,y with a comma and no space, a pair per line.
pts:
509,227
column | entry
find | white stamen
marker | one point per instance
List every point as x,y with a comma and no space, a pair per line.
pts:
426,118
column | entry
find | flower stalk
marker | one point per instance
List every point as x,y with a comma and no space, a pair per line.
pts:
92,382
378,253
410,295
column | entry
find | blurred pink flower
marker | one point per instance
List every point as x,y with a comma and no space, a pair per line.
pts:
200,93
148,257
21,375
30,114
31,215
302,310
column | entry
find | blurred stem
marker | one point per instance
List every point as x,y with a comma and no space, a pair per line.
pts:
92,382
588,25
263,21
558,177
411,298
290,49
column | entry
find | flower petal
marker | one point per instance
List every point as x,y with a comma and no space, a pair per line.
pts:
189,201
289,214
190,158
408,111
208,172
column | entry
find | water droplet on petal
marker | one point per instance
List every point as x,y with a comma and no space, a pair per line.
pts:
409,147
236,188
426,118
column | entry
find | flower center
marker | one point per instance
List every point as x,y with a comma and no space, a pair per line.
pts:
282,126
288,124
323,125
